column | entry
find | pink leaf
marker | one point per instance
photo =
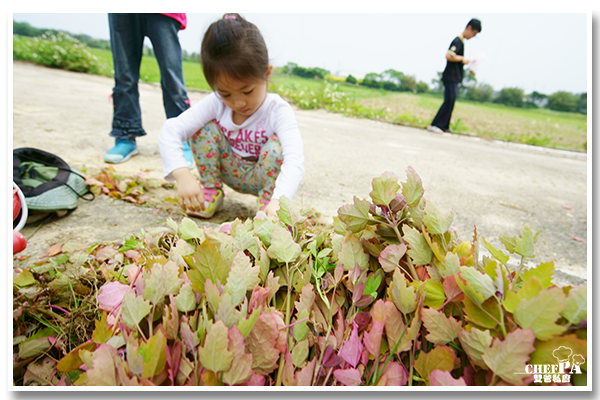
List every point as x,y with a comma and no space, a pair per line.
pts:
352,348
305,375
259,298
256,380
372,339
578,239
349,377
444,378
451,289
111,294
395,374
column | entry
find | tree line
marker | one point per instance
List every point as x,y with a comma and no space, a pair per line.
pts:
390,80
469,89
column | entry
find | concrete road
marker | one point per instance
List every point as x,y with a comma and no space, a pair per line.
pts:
495,186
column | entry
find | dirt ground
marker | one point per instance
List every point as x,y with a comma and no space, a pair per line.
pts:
496,186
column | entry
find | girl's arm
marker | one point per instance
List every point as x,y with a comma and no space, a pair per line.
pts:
292,169
189,190
173,134
177,130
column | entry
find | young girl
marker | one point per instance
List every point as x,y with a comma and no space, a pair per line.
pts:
240,134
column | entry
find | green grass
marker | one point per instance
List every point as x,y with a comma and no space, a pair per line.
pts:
539,127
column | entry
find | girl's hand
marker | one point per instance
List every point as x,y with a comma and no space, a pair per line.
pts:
272,207
189,191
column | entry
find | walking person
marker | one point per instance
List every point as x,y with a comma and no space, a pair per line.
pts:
452,76
127,33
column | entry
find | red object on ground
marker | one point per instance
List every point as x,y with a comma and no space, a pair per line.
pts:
16,204
19,241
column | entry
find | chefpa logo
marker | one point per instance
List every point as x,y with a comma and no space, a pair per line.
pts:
567,365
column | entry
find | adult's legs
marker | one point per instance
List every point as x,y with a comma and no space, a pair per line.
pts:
442,118
163,31
126,40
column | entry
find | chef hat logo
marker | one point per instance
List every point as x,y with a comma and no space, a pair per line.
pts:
562,354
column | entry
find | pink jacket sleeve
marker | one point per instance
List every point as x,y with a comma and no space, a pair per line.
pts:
181,18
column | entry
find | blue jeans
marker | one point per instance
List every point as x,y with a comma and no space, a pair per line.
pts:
442,118
127,32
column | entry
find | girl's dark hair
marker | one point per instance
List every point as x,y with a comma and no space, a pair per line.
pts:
233,47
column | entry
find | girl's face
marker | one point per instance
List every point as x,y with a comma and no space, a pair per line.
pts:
243,97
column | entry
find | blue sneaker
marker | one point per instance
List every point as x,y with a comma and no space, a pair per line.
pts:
124,149
189,156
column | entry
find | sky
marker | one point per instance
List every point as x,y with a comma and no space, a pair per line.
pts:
532,51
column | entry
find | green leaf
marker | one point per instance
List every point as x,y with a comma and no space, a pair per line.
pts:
544,272
541,312
210,263
390,257
419,251
25,278
283,248
372,284
352,253
301,329
189,230
186,299
441,328
497,254
33,348
394,328
530,289
436,222
544,350
300,353
440,357
576,310
522,245
434,294
134,309
102,332
72,360
163,280
412,189
355,216
263,228
245,325
242,277
484,315
507,359
385,188
479,287
450,265
214,355
287,214
183,248
474,344
153,354
404,297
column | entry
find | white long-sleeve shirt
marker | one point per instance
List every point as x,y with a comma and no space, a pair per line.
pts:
274,116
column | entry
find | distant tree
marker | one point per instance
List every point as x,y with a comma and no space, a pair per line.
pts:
422,87
562,101
539,99
24,29
437,84
393,76
512,97
289,67
351,79
480,92
582,103
372,80
409,84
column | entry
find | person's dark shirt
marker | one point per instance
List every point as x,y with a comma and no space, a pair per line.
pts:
454,70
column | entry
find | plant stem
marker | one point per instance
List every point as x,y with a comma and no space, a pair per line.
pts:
288,310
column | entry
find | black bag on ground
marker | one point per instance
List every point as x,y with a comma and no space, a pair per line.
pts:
47,182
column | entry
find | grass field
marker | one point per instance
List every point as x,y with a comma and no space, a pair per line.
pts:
539,127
